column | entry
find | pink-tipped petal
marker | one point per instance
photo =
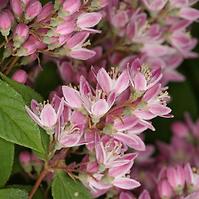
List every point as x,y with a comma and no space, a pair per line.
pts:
82,53
72,97
140,82
125,183
189,13
104,80
132,141
48,116
87,20
100,152
122,83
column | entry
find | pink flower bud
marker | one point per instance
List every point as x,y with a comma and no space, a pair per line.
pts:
20,76
45,13
29,47
21,33
164,189
25,161
71,6
25,158
32,10
6,19
176,177
16,8
66,72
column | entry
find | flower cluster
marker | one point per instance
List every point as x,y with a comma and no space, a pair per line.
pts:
172,173
107,118
156,30
185,138
58,30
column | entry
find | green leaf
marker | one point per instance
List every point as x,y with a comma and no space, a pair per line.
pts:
11,193
26,92
15,124
64,187
38,195
6,160
45,141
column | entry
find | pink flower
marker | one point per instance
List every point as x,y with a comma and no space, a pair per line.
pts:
142,77
109,153
70,132
191,178
117,84
176,178
44,115
94,104
74,46
155,104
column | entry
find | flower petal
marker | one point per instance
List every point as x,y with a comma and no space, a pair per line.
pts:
48,116
126,183
72,97
132,141
122,83
104,80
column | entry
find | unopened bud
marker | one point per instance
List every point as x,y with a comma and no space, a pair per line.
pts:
6,19
45,13
25,161
33,9
21,33
16,8
20,76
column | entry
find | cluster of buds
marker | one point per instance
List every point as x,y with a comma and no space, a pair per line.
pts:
157,30
171,174
185,138
30,163
178,182
60,29
107,119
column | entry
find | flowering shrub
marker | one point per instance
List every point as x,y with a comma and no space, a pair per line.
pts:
100,70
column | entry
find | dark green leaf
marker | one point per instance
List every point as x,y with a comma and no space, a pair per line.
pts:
64,187
6,160
26,92
15,124
12,193
38,195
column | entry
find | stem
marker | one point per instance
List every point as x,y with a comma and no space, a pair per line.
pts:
38,182
9,68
